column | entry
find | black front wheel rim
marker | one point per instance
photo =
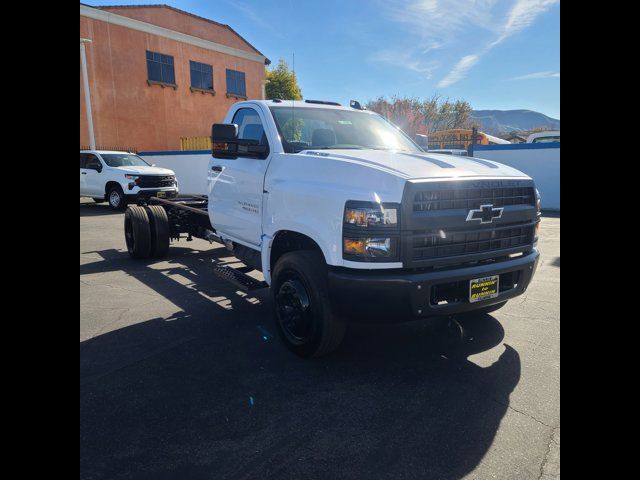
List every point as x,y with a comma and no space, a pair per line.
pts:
294,310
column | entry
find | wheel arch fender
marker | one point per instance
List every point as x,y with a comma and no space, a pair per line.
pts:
286,240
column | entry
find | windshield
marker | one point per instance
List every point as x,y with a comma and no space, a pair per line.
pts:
319,128
546,139
123,160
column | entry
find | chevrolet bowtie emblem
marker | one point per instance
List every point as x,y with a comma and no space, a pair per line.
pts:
485,214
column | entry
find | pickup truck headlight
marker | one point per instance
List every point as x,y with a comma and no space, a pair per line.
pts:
371,231
131,177
538,211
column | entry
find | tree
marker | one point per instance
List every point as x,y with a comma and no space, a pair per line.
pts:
423,116
282,83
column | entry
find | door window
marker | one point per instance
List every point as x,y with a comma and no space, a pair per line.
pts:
250,126
93,163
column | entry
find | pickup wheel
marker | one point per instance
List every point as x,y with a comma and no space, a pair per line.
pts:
116,198
137,232
159,228
302,310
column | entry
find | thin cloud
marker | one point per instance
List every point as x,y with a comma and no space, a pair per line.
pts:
255,17
522,14
535,75
439,25
459,71
406,60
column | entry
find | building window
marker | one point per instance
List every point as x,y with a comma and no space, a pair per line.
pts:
160,69
201,76
235,84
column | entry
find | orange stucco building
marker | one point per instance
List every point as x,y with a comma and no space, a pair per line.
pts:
157,74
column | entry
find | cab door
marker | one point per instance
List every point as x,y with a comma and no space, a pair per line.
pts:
236,186
83,175
94,177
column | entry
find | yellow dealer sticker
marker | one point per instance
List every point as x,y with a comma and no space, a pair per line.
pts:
483,288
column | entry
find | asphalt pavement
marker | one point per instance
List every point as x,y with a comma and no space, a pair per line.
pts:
183,377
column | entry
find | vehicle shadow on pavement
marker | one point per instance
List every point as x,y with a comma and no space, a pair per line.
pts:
211,392
97,209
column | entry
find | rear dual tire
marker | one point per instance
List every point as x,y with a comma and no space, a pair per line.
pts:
146,231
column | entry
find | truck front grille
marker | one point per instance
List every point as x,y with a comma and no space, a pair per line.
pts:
436,232
448,243
472,198
155,181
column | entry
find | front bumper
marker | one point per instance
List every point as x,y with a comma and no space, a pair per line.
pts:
378,296
145,193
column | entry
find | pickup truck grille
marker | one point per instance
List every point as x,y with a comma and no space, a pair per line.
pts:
155,181
435,230
472,198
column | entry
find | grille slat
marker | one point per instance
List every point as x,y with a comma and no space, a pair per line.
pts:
155,181
472,198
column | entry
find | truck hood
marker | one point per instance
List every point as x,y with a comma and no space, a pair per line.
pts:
144,170
419,165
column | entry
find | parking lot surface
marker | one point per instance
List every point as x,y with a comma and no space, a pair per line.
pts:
182,376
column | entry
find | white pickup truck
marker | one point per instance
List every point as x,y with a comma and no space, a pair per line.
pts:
122,177
349,220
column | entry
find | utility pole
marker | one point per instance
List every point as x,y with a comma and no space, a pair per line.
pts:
87,95
472,146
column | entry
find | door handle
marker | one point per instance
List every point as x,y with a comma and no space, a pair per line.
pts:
216,168
83,173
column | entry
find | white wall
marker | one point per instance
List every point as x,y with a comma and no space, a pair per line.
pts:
190,169
541,164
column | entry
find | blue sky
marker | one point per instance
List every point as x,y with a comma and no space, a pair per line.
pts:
496,54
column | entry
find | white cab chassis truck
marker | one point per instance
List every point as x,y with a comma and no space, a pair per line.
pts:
349,220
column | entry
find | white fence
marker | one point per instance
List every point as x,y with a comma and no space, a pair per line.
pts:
190,168
541,161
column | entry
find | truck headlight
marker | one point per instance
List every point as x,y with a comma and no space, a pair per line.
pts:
371,231
131,177
371,247
370,215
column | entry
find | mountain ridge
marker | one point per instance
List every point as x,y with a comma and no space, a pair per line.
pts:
502,122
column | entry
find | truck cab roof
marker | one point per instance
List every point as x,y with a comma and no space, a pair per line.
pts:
324,104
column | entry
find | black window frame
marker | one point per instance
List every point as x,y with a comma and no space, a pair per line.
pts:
89,157
161,61
264,137
199,73
233,77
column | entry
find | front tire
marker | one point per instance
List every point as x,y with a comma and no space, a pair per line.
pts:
303,314
116,198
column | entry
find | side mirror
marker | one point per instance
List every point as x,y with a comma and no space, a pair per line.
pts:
99,168
226,144
422,140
